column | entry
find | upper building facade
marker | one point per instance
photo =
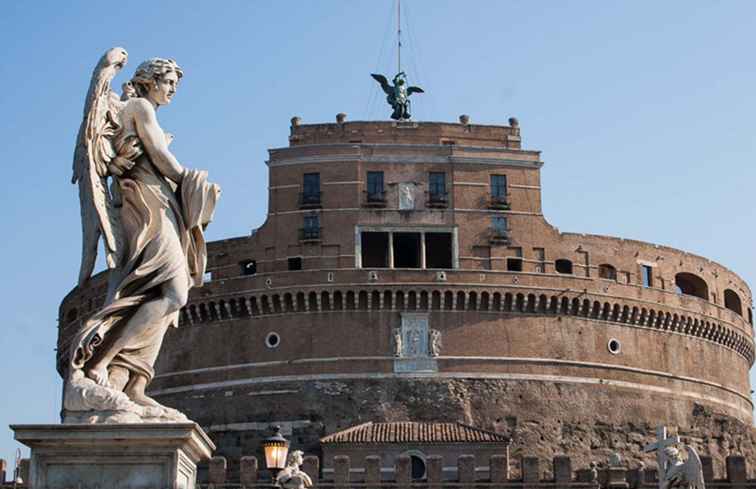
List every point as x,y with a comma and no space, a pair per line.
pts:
405,272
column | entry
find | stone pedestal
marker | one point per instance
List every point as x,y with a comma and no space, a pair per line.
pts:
116,456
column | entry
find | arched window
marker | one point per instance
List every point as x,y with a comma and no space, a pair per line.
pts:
563,266
607,271
690,284
732,301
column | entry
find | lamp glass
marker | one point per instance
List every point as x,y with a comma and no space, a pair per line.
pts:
275,455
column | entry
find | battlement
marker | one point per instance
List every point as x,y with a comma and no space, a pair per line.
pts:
530,472
406,132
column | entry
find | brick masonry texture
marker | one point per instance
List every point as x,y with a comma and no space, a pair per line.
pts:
526,349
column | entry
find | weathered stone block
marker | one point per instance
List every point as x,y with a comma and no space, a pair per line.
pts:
434,465
373,469
217,470
248,470
403,470
737,471
466,468
116,456
562,469
531,471
707,466
311,467
499,466
341,467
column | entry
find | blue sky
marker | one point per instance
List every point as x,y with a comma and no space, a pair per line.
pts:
644,112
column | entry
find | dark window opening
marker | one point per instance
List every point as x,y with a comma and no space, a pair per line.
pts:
438,250
647,275
499,227
750,316
499,191
514,264
375,191
418,467
311,229
607,271
437,188
406,250
690,284
563,266
732,301
375,250
248,267
311,189
295,263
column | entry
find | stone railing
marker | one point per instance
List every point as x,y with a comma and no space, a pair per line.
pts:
561,474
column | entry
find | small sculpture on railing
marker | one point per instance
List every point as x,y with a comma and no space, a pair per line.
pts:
673,471
396,341
434,341
292,477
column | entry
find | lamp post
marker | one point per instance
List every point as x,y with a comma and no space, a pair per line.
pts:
276,447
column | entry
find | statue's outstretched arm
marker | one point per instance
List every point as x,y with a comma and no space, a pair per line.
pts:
154,141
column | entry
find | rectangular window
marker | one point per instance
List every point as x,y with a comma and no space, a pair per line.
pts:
406,250
647,273
499,187
248,267
514,264
311,221
375,185
295,263
311,188
437,186
438,250
311,229
374,249
499,225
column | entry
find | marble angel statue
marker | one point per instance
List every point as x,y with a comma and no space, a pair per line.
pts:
151,212
292,476
684,474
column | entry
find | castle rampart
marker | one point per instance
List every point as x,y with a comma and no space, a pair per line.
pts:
379,230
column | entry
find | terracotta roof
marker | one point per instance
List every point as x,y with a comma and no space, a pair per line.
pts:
414,432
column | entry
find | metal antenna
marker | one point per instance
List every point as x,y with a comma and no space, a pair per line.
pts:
399,34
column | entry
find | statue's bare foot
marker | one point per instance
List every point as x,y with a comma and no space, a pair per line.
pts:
99,375
142,399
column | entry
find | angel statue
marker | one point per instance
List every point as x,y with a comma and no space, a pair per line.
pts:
292,477
151,212
673,472
686,474
398,94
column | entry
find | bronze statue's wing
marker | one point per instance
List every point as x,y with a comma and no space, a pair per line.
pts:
693,470
412,90
94,151
384,83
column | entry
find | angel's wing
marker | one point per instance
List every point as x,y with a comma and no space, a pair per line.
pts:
412,90
693,469
384,83
92,156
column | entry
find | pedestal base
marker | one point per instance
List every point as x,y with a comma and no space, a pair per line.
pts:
117,456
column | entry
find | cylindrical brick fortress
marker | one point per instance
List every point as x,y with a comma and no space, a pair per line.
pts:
406,272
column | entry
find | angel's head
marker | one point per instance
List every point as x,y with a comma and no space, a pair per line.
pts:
157,79
296,458
672,453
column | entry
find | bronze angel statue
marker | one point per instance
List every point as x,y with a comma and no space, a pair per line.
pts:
398,95
151,212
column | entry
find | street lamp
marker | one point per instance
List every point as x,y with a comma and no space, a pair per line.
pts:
276,448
